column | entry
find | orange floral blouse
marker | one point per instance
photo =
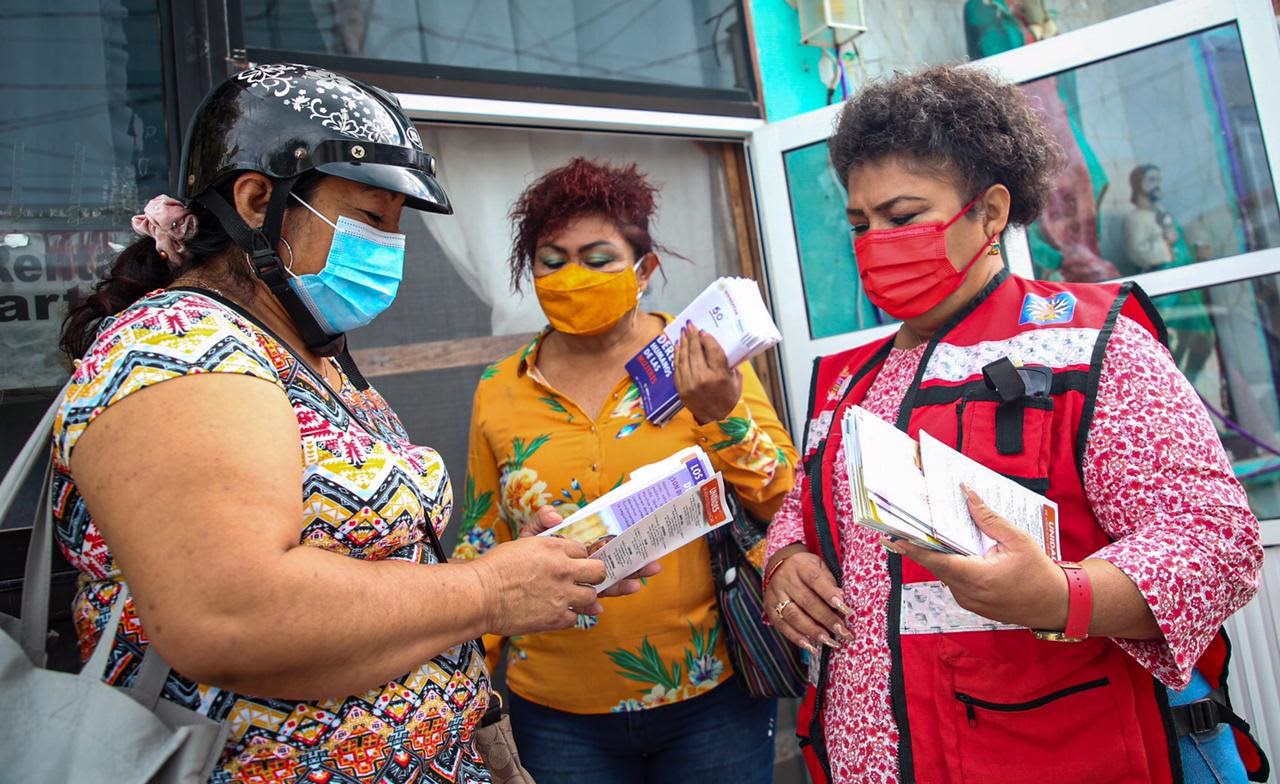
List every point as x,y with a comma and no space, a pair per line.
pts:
531,446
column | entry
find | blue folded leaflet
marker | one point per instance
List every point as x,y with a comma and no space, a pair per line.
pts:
654,373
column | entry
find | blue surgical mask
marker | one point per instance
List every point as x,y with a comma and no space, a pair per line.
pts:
360,277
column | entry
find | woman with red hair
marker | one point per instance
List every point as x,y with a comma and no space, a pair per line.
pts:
646,691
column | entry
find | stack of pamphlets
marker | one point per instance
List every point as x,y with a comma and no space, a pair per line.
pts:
912,490
730,310
662,507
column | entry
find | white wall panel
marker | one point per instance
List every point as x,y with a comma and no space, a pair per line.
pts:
1253,679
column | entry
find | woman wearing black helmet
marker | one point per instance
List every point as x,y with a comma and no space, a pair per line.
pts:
305,621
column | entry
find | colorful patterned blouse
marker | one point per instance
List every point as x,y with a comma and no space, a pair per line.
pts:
531,446
1158,481
368,493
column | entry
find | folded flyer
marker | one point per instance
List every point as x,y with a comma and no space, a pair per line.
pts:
664,506
732,311
912,490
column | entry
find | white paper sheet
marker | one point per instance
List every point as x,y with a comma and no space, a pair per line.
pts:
945,469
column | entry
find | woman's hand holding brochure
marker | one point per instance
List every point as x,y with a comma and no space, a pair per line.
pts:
910,490
1013,582
707,384
547,518
729,314
662,507
996,552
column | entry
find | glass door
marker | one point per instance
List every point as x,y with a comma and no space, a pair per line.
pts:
1163,101
1172,99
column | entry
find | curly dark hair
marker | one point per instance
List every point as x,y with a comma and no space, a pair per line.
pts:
582,187
983,130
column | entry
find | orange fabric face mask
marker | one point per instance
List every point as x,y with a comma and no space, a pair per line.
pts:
581,301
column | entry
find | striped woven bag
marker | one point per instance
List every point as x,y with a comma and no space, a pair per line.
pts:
765,662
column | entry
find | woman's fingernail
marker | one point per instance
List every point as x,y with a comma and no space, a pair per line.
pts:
827,641
838,602
810,647
843,632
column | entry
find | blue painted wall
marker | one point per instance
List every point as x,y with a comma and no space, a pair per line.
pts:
788,69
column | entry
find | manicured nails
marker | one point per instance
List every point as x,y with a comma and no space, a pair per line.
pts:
890,545
837,602
827,641
843,632
810,647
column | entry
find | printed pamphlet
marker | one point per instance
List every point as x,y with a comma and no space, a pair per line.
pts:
912,490
662,507
732,311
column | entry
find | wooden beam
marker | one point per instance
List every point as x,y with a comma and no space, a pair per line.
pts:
750,258
437,354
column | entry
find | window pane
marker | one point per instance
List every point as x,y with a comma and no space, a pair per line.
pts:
455,312
1166,162
691,43
906,35
1226,339
82,144
832,291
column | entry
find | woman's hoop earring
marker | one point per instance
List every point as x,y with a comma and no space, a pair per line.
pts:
289,248
249,261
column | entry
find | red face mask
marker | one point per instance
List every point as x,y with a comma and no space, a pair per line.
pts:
906,271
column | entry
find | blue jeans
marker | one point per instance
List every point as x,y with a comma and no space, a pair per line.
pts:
1211,758
722,737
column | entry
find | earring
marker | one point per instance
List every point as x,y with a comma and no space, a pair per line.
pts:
995,249
289,248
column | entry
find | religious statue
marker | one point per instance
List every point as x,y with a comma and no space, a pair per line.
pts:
1150,233
1153,240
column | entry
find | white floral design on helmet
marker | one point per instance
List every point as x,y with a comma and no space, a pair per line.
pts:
332,99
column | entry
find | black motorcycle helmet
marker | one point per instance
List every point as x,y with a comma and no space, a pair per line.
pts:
285,120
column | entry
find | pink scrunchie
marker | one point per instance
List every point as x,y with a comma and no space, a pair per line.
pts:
167,221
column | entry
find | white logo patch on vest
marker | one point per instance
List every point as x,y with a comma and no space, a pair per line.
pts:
1041,311
819,426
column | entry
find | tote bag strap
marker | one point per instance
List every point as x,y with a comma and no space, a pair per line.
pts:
148,682
37,576
33,627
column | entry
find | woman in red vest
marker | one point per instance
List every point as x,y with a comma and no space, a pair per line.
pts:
1008,667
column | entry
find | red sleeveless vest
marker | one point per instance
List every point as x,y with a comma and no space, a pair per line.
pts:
982,702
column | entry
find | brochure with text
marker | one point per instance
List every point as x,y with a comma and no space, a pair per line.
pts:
912,490
732,311
664,506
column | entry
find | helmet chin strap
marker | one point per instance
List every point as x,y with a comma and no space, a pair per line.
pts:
260,245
